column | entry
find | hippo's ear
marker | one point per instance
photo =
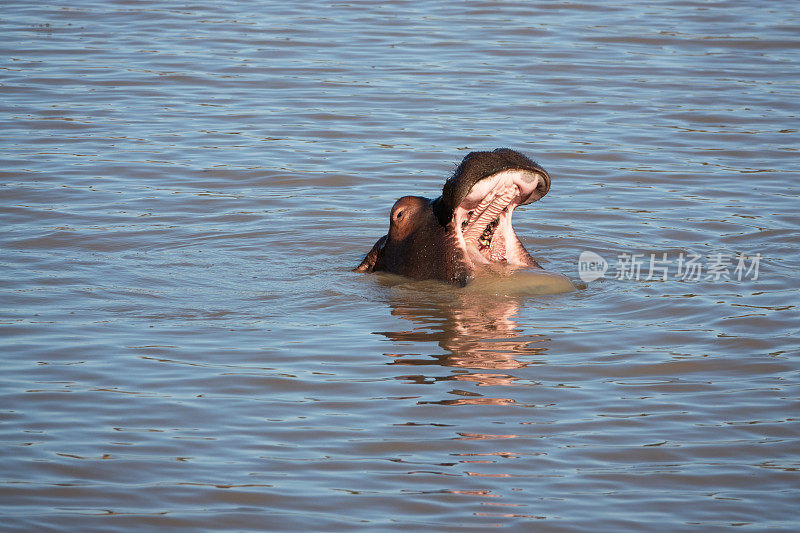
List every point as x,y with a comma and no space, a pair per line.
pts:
374,259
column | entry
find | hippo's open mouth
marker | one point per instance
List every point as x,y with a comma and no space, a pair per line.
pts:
467,227
483,217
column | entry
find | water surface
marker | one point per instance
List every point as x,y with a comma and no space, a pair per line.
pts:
185,189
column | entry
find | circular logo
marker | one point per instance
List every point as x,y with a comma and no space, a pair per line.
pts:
591,266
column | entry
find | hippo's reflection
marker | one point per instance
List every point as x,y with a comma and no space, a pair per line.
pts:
478,333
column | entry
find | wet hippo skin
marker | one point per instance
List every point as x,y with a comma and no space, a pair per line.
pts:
468,228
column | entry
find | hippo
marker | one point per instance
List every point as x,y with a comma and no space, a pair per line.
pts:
467,229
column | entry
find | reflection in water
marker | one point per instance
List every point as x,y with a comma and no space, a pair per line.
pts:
477,331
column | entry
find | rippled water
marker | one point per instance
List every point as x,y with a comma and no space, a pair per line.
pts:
185,188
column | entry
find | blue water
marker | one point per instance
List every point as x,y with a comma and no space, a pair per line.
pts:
185,189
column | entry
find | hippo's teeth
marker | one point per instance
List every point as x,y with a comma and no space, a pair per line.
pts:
486,237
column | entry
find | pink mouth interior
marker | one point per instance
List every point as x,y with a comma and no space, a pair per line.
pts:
484,217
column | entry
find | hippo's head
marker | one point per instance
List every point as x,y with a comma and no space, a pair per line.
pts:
468,227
